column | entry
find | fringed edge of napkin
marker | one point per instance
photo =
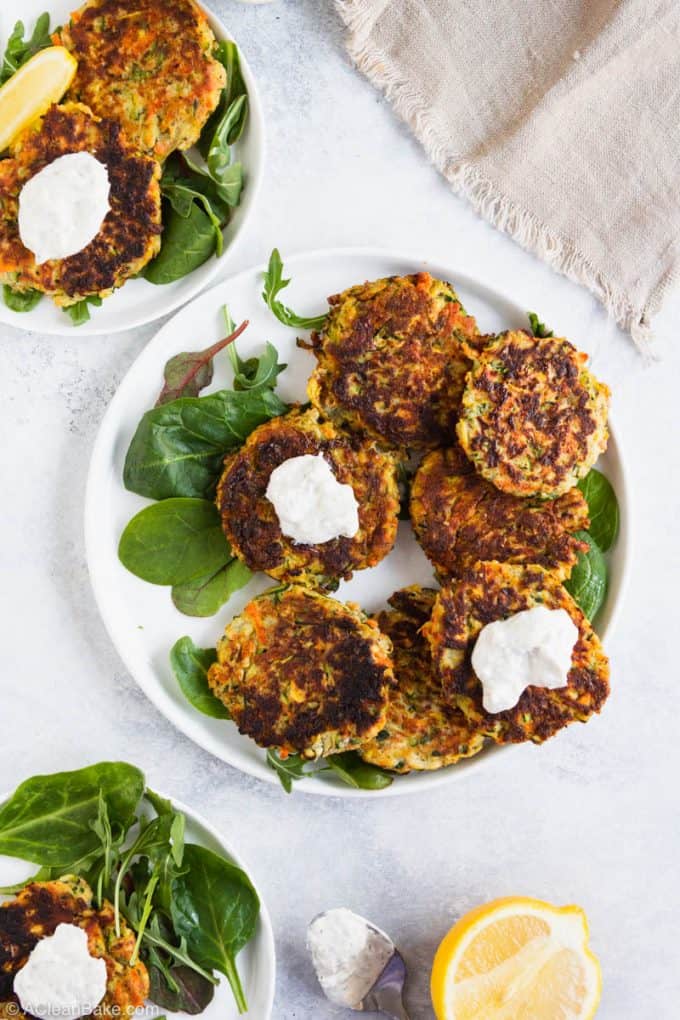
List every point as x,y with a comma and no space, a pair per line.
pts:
501,212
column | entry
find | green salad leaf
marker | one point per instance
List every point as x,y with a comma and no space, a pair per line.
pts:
256,373
355,772
174,541
538,328
20,300
603,509
188,242
203,596
215,910
186,374
274,283
49,819
289,770
190,665
179,447
179,989
589,578
79,313
19,50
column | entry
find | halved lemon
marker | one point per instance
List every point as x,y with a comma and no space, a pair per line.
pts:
517,959
30,92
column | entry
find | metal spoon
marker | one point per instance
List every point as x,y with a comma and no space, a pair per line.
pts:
386,994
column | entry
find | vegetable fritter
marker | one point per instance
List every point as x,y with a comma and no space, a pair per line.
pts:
304,673
149,65
392,360
495,591
130,234
460,518
37,911
249,519
533,419
422,730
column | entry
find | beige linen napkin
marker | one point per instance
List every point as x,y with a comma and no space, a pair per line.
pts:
558,119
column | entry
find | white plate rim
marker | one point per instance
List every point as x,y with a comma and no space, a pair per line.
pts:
266,933
210,269
416,782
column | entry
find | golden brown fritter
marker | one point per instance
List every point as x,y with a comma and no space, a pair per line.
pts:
249,519
533,419
130,234
149,65
495,591
460,518
392,360
302,672
37,911
422,730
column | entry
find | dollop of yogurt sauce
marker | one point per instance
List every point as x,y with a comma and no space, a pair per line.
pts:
349,955
60,978
311,504
63,206
532,648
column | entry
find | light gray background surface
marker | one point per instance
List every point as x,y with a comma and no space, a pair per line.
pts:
593,816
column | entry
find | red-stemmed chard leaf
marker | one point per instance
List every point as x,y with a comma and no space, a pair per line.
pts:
188,373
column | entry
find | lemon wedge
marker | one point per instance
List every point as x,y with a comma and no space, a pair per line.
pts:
517,959
30,92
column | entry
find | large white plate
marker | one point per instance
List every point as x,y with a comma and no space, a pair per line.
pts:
140,617
256,962
139,301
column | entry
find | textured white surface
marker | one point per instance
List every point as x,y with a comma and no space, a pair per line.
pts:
593,817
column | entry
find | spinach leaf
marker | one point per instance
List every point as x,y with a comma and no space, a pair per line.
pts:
215,909
20,300
274,283
48,820
289,770
353,771
203,596
183,184
603,509
538,328
18,50
179,447
174,541
188,242
256,373
191,993
79,313
589,578
190,666
191,371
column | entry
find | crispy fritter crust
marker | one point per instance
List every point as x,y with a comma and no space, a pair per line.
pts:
392,360
304,673
130,234
37,911
422,730
533,419
460,518
495,591
249,519
149,65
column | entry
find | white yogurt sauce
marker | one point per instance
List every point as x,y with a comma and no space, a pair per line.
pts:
529,649
311,504
349,955
60,978
63,206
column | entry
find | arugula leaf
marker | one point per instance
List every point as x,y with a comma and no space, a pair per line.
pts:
187,242
227,54
174,541
186,374
589,579
203,596
256,373
538,328
190,665
274,283
215,909
48,820
18,50
20,300
603,509
289,770
179,447
354,771
79,313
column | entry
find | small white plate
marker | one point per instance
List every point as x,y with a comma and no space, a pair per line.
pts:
139,301
141,618
256,961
